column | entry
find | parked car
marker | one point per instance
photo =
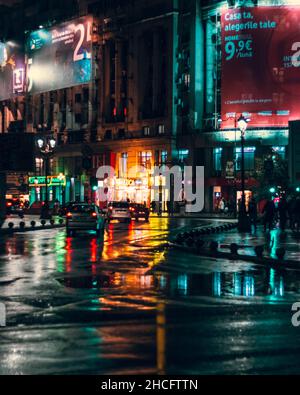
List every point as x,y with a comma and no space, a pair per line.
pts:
63,209
139,211
15,206
119,211
83,216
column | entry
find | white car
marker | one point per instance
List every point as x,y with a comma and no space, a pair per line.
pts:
119,210
83,216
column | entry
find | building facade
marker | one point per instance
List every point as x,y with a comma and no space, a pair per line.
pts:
154,99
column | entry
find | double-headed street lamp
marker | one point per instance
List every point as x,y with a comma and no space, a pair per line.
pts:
46,146
244,223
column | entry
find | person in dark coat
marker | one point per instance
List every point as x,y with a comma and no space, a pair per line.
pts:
252,211
269,214
291,212
283,213
297,214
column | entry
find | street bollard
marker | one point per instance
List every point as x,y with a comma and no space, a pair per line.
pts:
32,223
234,248
213,246
259,250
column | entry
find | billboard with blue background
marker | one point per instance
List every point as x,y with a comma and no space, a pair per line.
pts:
59,57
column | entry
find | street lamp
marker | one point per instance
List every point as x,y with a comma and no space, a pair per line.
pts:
46,147
244,223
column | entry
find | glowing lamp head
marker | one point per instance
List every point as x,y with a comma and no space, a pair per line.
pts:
242,124
298,189
52,143
272,190
40,143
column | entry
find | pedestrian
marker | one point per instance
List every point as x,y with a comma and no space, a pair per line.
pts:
283,213
292,211
252,211
222,205
297,214
269,214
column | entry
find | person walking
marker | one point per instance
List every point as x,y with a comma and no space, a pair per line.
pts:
283,213
297,214
252,211
291,212
269,214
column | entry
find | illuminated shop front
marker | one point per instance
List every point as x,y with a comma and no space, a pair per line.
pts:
56,188
136,190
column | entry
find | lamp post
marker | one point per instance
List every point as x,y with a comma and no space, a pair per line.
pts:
46,147
244,223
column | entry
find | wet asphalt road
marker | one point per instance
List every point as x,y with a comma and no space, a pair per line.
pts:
85,306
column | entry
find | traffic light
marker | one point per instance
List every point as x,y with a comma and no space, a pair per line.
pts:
94,184
272,190
298,189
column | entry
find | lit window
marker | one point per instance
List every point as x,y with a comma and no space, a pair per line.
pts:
164,157
249,158
161,129
123,164
145,159
280,151
218,159
187,80
146,130
38,166
183,154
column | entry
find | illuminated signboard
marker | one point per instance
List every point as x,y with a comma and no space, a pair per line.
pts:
260,65
12,70
60,57
53,181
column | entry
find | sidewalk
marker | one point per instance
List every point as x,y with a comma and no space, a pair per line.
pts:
271,241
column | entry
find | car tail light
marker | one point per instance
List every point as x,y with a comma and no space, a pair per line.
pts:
69,215
110,208
9,204
94,215
132,209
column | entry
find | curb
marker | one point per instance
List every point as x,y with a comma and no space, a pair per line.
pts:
190,236
24,229
212,252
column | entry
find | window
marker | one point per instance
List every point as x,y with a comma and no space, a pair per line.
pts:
108,135
78,98
164,157
39,166
161,129
183,155
249,158
146,130
187,80
217,155
145,159
78,118
280,151
121,134
123,164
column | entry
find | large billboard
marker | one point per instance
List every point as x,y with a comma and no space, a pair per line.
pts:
261,65
60,57
12,70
